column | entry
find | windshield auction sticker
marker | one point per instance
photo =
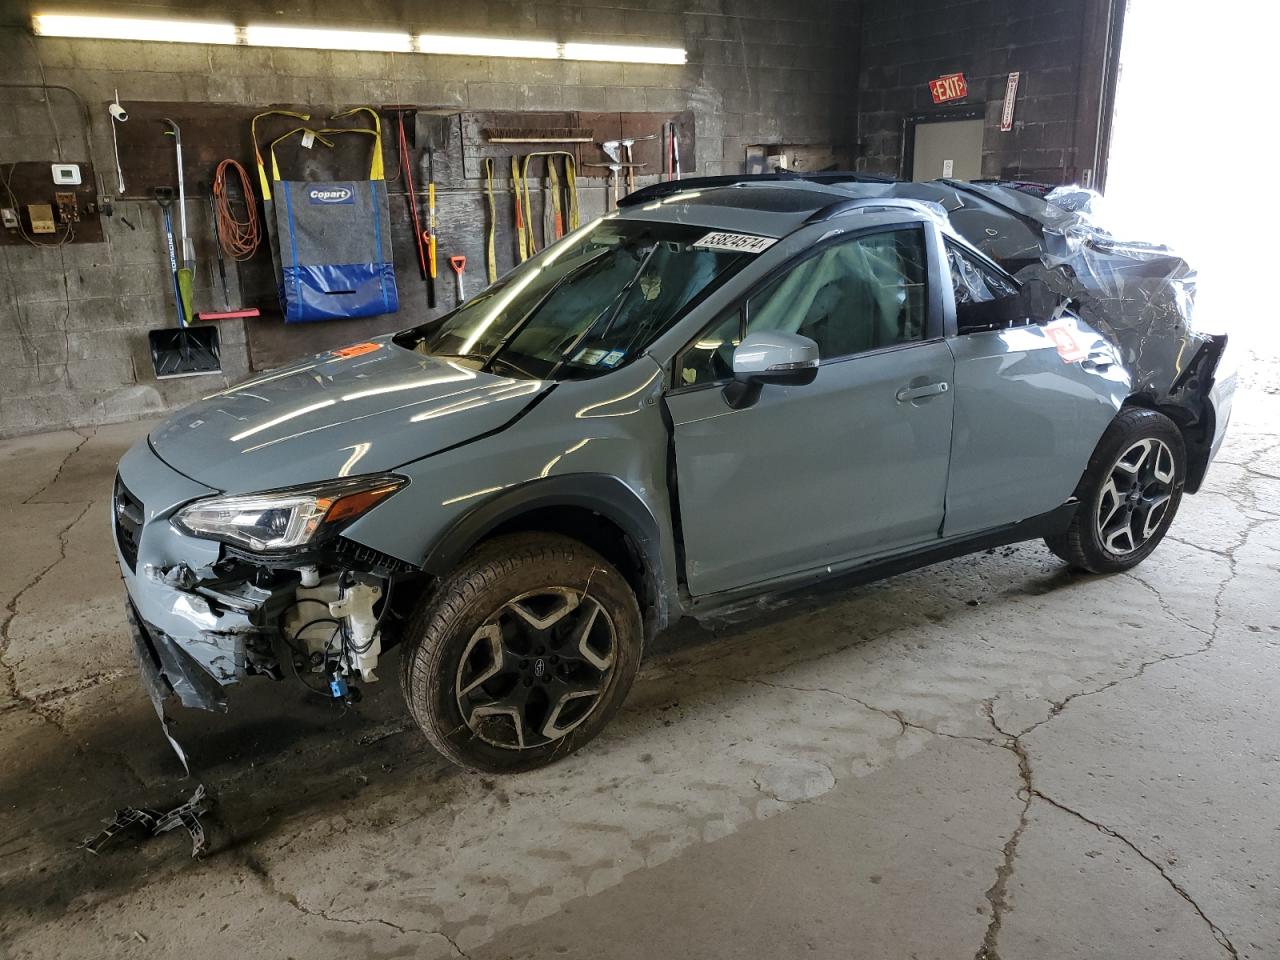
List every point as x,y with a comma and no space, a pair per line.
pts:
739,242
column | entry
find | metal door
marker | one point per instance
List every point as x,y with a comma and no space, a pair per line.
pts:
948,148
853,464
1027,419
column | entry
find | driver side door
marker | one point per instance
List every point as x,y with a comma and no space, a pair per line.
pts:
852,465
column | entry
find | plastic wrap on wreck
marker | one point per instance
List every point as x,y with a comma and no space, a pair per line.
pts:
1077,199
1140,296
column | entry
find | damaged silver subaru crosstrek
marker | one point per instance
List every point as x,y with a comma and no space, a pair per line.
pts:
728,388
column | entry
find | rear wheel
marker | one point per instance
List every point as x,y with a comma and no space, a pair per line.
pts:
523,654
1128,496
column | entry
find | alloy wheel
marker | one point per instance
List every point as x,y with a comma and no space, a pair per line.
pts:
1135,497
536,668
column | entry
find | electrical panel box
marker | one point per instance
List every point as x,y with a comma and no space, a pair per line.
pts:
45,211
41,217
66,174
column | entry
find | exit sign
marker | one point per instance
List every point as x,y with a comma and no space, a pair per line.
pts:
952,86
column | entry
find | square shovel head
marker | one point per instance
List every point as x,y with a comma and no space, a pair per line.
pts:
185,352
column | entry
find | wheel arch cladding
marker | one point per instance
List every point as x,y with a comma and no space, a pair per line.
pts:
598,510
1187,403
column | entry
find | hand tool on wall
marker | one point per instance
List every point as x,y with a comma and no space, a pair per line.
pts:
118,115
539,135
406,168
613,150
675,150
217,249
188,249
434,129
180,351
629,158
459,263
164,197
224,244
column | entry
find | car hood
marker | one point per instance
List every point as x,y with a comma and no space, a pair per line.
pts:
361,409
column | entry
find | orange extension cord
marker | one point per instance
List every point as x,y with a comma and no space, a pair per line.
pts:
240,238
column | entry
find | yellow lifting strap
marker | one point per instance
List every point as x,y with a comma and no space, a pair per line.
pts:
375,164
557,215
571,183
491,260
522,194
271,148
522,239
257,152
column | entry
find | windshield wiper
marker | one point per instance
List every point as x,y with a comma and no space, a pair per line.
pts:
524,321
618,303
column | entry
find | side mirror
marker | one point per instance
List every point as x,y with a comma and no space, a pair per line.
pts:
770,357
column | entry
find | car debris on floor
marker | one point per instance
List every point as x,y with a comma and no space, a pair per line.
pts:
147,822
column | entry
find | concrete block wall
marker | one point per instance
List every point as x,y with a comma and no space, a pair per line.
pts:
73,319
906,44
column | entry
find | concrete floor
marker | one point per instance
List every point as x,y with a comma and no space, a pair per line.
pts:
992,757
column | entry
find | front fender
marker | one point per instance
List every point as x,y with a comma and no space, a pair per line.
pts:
599,445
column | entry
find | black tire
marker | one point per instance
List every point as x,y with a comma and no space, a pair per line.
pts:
1084,544
494,583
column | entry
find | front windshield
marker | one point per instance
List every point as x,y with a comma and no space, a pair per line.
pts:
583,307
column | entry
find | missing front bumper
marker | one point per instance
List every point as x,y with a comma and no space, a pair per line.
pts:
158,687
168,670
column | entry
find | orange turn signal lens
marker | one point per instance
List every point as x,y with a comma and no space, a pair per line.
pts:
354,504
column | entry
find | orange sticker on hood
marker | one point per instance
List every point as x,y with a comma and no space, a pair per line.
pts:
356,349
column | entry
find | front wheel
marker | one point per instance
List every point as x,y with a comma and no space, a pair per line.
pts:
523,654
1128,496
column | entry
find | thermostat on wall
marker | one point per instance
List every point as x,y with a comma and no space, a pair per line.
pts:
67,173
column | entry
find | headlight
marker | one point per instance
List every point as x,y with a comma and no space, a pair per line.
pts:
286,519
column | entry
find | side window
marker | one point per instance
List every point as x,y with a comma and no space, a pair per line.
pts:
857,295
710,357
984,299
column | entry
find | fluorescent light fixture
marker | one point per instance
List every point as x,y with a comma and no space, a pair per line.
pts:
313,38
128,28
621,53
487,47
320,38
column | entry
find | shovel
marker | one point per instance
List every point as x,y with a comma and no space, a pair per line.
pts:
184,351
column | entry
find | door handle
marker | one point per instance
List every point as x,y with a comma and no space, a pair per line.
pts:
919,393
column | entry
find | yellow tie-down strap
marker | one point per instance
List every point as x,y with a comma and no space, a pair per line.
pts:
257,150
553,183
375,162
271,149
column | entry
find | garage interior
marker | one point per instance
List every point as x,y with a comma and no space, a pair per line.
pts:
991,757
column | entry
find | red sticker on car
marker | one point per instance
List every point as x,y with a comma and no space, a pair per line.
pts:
1065,343
356,350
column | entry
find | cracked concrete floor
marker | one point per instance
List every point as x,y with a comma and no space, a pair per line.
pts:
992,757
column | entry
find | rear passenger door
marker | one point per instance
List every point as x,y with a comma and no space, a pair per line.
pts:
1033,395
851,465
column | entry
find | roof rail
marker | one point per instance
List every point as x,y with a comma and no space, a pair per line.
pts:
866,205
667,188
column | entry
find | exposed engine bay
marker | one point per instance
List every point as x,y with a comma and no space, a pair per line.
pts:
324,623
